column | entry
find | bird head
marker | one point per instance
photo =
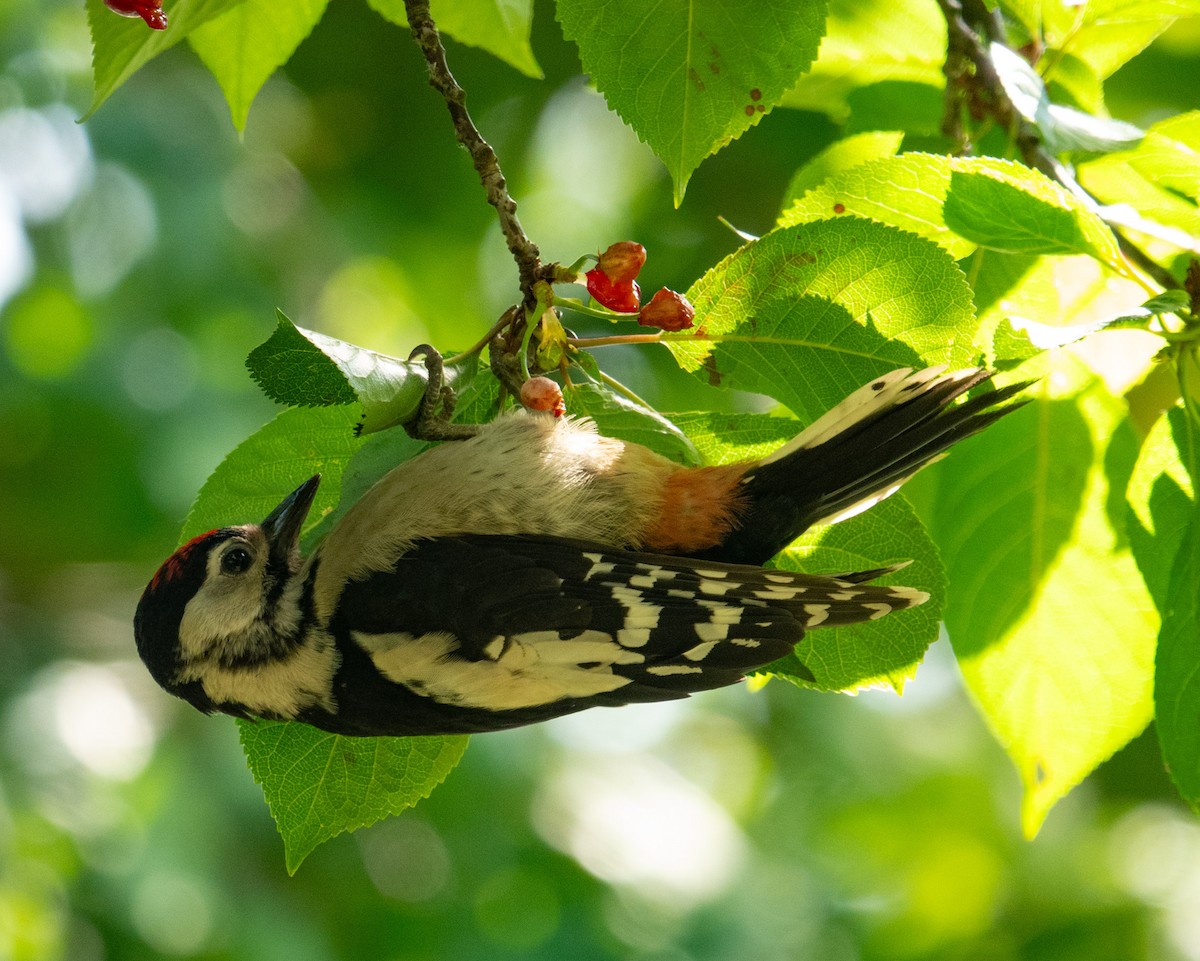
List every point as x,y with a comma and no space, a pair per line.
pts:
216,602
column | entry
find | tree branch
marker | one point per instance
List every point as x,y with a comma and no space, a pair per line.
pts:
523,250
966,46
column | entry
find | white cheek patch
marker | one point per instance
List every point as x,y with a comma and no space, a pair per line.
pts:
279,687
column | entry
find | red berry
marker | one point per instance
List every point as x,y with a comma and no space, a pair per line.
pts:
541,393
622,295
149,10
667,310
623,260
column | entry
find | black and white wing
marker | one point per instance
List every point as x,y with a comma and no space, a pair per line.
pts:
482,632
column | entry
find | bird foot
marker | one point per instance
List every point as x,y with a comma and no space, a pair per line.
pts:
437,406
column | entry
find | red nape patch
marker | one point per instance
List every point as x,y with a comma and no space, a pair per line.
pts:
174,565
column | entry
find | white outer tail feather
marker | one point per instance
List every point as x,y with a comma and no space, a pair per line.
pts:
873,397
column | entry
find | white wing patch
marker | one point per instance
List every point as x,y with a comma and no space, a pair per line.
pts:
533,669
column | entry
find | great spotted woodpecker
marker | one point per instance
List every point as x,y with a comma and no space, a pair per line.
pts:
538,569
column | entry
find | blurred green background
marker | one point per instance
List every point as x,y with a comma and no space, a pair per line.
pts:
142,255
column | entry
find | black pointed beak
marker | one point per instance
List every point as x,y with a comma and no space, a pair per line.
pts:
283,524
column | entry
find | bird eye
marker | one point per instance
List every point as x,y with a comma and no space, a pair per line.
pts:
236,560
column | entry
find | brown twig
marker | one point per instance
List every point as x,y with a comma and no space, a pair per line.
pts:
966,46
523,250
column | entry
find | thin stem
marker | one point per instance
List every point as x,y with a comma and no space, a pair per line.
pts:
579,307
616,339
506,320
523,250
623,390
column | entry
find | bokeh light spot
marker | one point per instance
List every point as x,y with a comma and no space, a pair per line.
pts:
517,910
173,913
47,333
369,302
160,369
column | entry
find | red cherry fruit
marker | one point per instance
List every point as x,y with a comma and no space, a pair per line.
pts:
611,281
623,260
149,10
541,393
667,310
624,295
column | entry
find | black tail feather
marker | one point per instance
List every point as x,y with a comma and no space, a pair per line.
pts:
856,456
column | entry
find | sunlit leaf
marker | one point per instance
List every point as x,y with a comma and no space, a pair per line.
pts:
1108,33
501,27
269,464
961,202
244,46
871,45
1025,215
1062,128
319,785
810,312
1165,536
121,46
619,416
305,368
839,156
1159,179
1053,627
872,654
691,77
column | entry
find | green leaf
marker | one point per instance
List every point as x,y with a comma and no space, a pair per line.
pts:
1010,347
245,46
120,45
304,368
1170,154
914,190
1177,667
842,155
1025,215
727,438
1164,532
1108,33
883,653
873,654
291,368
810,312
691,77
1159,179
1168,302
1053,628
1061,128
501,27
267,466
905,191
618,416
1160,499
873,45
319,785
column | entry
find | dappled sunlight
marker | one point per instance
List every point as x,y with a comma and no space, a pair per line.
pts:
1154,852
95,721
635,823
